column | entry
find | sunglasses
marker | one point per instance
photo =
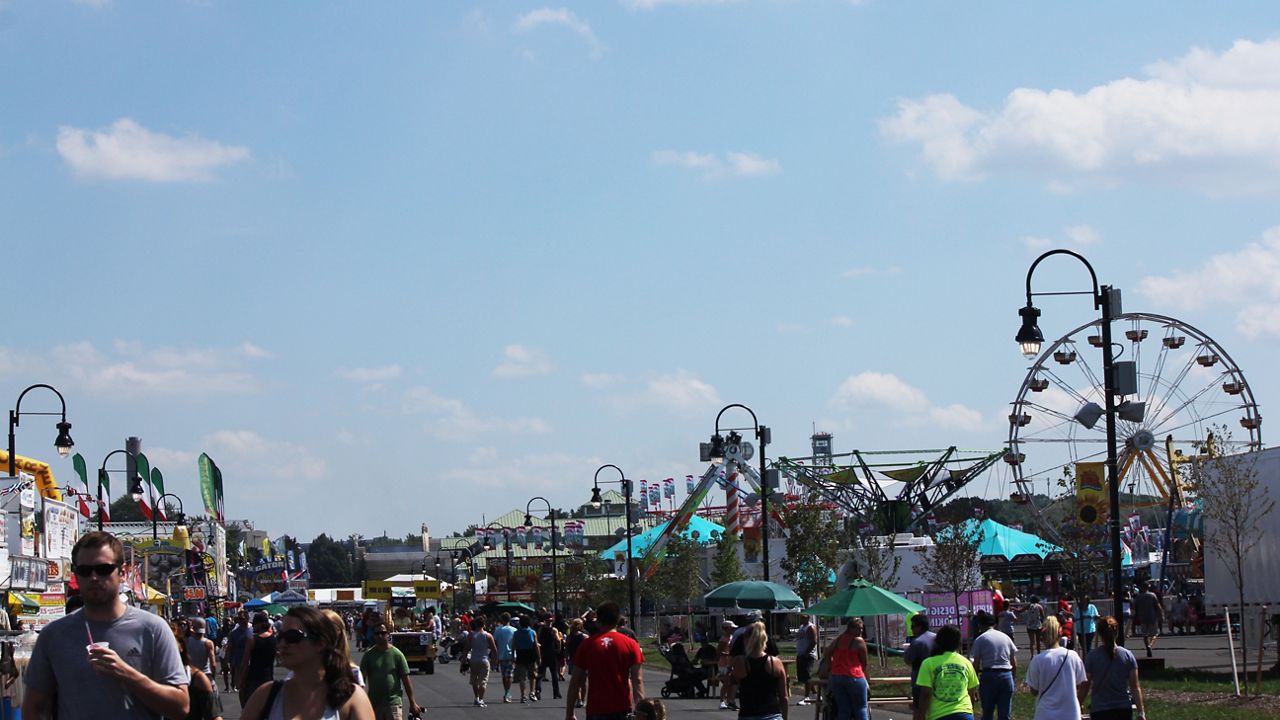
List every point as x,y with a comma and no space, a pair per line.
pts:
292,636
101,570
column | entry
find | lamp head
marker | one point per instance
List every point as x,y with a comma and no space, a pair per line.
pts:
64,443
135,488
596,500
528,520
1029,336
717,448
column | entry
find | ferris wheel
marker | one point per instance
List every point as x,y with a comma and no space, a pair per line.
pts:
1186,385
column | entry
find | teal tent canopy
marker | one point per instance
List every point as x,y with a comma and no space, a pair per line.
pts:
640,543
1003,541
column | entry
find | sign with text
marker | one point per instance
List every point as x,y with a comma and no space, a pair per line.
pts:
941,608
377,590
193,592
427,590
61,529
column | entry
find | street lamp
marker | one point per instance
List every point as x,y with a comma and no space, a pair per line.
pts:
555,582
626,495
180,521
455,558
63,443
506,543
1106,299
135,483
716,453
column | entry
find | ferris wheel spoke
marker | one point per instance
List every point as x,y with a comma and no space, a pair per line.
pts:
1064,386
1092,378
1198,420
1157,407
1158,371
1187,403
1054,413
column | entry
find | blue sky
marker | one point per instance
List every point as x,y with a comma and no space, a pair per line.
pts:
395,264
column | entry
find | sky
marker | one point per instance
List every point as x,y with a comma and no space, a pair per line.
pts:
394,264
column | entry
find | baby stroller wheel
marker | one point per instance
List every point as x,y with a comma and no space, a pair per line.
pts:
666,692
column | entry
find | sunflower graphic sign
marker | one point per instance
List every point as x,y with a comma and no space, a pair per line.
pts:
1091,500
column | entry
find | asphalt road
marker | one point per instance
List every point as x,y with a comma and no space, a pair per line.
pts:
446,695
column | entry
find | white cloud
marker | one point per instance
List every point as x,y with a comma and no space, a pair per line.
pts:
449,419
253,351
682,391
561,17
856,272
1073,236
522,361
734,164
1208,120
654,4
130,369
128,151
373,375
843,321
600,381
488,469
885,391
1248,280
172,463
247,454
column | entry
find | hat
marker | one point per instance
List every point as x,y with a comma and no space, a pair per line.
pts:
728,624
755,615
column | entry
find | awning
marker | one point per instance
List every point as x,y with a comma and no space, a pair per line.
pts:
154,596
17,599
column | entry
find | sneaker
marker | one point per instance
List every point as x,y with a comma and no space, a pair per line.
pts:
724,705
803,701
578,704
476,702
482,704
521,697
506,698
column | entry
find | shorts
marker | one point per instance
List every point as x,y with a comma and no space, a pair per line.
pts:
507,667
388,712
524,672
480,674
804,666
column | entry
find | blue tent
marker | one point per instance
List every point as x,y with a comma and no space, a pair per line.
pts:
640,543
1003,541
263,601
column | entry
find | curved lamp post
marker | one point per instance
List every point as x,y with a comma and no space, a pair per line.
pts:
455,556
506,542
1106,299
555,582
135,483
63,443
180,521
717,452
596,500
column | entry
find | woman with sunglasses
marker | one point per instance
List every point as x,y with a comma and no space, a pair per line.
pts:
321,686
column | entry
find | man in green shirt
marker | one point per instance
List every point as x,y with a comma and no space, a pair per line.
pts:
385,671
947,680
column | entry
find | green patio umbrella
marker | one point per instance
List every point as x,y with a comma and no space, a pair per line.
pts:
509,606
753,594
862,599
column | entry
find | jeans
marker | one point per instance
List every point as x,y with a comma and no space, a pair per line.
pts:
554,664
957,716
1118,714
850,694
995,690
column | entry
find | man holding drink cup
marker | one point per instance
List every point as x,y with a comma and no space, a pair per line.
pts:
106,660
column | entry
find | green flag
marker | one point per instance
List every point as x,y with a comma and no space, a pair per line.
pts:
157,481
105,479
77,461
208,492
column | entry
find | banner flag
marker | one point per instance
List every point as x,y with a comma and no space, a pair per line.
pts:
217,486
208,491
104,504
157,481
78,463
1092,504
690,484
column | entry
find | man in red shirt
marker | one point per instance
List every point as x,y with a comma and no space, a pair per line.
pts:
611,661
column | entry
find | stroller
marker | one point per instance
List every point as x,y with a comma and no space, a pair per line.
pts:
687,679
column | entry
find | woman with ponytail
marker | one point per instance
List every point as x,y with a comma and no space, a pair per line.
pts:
321,685
1113,677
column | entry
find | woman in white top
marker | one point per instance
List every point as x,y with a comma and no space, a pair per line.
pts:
1056,677
321,685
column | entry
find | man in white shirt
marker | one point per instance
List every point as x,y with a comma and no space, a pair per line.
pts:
994,658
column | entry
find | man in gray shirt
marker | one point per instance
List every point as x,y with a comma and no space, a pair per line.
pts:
994,659
920,648
1148,616
107,660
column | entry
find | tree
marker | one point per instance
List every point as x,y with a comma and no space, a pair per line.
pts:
953,564
727,566
328,561
1234,503
601,585
235,535
1085,547
813,545
676,577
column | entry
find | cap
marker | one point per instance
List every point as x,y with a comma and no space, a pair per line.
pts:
755,615
728,624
